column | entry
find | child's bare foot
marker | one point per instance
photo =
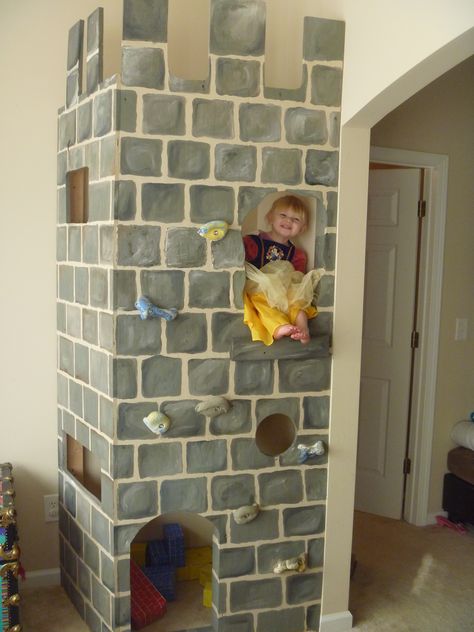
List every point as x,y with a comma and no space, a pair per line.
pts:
302,335
285,330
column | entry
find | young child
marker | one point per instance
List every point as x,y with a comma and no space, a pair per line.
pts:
278,292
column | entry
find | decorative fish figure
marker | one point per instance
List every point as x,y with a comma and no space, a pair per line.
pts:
247,513
292,564
215,230
157,422
149,310
213,406
308,451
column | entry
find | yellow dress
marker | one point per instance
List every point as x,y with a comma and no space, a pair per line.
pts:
273,296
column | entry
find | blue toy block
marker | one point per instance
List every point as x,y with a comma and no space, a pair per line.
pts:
157,553
174,538
164,579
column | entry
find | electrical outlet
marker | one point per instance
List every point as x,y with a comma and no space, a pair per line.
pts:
51,507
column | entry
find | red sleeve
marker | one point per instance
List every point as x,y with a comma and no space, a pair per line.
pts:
251,248
299,260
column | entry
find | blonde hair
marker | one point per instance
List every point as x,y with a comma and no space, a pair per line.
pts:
290,202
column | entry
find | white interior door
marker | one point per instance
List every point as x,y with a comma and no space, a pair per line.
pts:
389,296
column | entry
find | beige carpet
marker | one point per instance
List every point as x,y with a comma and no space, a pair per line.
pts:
407,579
411,579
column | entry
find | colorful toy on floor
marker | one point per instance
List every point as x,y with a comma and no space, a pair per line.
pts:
174,539
456,526
149,310
146,603
207,595
163,578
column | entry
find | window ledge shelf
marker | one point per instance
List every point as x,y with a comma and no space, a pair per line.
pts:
242,350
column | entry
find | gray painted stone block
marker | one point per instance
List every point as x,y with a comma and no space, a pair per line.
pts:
236,421
200,86
99,202
125,195
214,118
70,498
304,375
100,447
209,289
162,202
323,39
164,288
316,412
81,362
235,162
61,317
130,420
332,208
90,327
92,159
125,378
185,248
61,213
91,554
280,487
91,407
61,168
84,121
75,397
303,587
67,129
225,326
211,203
187,334
75,44
238,283
289,94
143,67
228,252
103,113
334,127
73,321
316,552
163,114
107,572
321,325
122,461
316,484
269,554
189,160
126,110
237,27
108,154
284,405
66,355
247,456
124,286
123,536
145,20
208,377
92,619
254,378
185,421
306,127
282,620
322,167
100,529
62,388
232,492
219,523
138,245
259,122
82,431
326,86
123,575
106,244
238,78
137,500
161,376
101,599
94,73
66,283
106,416
70,565
160,460
140,156
137,337
234,562
99,363
281,165
73,87
99,288
261,593
206,456
249,198
303,520
326,291
236,623
94,30
183,495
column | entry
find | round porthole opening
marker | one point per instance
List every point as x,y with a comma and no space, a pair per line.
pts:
275,434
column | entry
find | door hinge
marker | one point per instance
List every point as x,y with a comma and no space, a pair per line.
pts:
421,208
415,338
406,465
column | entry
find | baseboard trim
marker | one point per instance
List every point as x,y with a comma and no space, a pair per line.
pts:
39,579
337,622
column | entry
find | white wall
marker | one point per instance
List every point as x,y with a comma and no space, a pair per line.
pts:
384,40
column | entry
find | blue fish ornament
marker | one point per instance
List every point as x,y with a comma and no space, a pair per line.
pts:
149,310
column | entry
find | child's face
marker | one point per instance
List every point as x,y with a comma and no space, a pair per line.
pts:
286,223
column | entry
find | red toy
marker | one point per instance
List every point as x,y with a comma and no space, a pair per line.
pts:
147,604
456,526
